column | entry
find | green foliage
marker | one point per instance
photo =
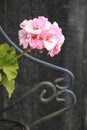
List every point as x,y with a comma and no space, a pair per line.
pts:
9,85
8,67
0,77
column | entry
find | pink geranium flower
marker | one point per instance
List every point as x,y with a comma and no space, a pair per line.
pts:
39,33
24,38
50,40
36,42
37,25
54,50
23,24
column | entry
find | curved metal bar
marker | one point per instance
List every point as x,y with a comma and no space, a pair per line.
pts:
59,80
55,94
39,85
18,123
69,73
55,114
42,94
54,87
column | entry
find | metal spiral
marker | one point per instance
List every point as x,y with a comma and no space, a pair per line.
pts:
57,90
16,123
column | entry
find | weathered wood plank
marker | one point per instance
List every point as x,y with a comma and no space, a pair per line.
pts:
71,16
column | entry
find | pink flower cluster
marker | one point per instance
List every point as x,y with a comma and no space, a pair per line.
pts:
39,33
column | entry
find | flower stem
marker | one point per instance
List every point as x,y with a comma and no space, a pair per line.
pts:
22,54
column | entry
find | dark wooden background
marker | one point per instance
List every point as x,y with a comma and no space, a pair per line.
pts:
72,17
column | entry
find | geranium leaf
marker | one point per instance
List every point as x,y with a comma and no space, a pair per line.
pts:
8,67
0,77
8,61
5,48
9,85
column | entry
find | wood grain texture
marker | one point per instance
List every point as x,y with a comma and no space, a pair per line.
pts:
72,17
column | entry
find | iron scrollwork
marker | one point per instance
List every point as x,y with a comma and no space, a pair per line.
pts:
57,90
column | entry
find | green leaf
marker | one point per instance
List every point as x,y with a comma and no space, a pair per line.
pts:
5,48
8,61
0,77
8,67
9,85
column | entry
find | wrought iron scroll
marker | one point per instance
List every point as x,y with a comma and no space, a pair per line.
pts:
57,90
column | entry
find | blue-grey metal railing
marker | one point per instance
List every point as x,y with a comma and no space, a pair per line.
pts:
56,89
